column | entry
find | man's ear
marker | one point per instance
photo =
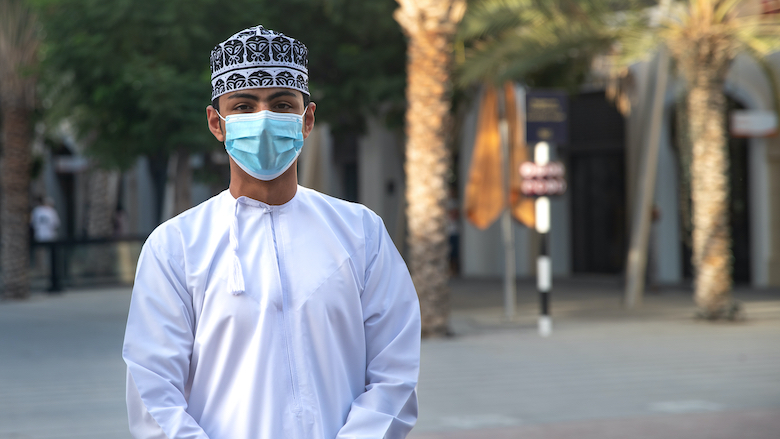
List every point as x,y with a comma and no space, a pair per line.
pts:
308,119
215,123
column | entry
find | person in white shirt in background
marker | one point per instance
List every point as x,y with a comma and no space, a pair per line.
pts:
44,220
270,310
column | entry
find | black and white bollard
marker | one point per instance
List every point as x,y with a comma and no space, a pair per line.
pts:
544,285
543,262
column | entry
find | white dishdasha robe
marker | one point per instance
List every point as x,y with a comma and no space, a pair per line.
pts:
252,321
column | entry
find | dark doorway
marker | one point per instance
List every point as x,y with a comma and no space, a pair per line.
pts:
345,161
596,162
739,207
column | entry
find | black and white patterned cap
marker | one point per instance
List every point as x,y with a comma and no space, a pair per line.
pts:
258,58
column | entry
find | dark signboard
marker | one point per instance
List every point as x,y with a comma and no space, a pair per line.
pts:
547,117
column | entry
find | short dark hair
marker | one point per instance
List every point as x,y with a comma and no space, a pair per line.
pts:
306,100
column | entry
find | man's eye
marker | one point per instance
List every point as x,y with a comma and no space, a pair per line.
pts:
283,106
242,107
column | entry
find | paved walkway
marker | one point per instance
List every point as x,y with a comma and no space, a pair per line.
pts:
605,372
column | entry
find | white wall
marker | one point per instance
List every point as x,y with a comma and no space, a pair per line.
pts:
147,218
666,230
381,177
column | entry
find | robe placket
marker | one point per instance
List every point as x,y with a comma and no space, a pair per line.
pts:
277,230
236,287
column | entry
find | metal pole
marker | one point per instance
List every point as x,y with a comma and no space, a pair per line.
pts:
543,262
640,224
510,288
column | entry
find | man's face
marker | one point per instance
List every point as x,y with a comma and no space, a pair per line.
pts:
278,100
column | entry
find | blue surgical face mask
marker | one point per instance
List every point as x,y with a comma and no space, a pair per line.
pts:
264,144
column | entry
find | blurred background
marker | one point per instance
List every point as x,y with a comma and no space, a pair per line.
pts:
671,155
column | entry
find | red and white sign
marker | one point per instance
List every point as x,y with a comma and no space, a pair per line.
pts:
542,180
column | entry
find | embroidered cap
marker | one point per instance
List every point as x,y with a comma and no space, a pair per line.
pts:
258,58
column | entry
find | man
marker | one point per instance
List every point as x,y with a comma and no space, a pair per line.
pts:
270,310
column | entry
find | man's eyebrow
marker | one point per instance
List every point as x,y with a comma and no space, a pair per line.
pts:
282,93
244,96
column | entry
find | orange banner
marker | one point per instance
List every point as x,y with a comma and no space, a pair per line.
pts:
485,199
486,196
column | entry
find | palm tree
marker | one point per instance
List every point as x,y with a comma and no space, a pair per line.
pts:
513,38
430,26
18,49
704,36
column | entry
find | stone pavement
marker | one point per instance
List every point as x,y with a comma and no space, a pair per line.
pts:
604,373
61,369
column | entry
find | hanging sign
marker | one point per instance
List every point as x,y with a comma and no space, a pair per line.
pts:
753,123
542,180
70,164
547,117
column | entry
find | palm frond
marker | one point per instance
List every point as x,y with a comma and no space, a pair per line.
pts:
513,58
760,34
522,52
507,39
489,18
759,37
725,9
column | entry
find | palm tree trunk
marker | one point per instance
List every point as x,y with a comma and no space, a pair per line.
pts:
712,259
427,161
15,203
430,26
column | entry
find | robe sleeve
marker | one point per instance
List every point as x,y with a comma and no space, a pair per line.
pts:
391,313
157,349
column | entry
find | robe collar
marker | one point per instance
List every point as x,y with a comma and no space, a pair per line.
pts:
236,284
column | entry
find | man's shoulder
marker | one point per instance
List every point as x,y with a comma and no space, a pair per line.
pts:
338,223
336,209
195,220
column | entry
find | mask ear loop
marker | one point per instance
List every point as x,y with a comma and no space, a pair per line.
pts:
220,116
220,125
305,110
